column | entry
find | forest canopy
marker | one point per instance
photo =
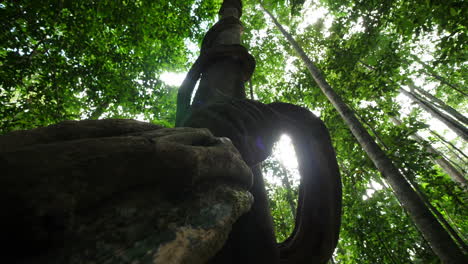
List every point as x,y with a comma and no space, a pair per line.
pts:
401,66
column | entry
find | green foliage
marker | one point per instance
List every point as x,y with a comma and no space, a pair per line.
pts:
89,59
282,193
95,59
366,57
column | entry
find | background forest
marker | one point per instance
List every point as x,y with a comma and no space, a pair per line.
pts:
401,66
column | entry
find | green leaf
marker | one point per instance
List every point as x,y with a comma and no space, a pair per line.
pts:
453,12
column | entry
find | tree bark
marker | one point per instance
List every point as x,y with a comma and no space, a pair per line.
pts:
455,126
220,105
439,239
418,190
287,185
456,175
439,216
100,108
428,69
222,80
458,152
441,104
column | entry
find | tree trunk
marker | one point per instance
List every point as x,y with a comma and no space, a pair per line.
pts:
220,105
439,239
456,175
100,108
418,190
428,70
222,80
388,252
455,126
440,103
456,151
439,216
287,185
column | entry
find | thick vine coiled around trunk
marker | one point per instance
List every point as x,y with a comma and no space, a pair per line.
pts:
253,127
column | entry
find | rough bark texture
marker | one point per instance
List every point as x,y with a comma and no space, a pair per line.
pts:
118,191
253,128
220,105
439,239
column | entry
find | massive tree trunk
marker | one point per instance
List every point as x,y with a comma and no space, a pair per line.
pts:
456,175
451,123
220,105
223,67
121,191
439,239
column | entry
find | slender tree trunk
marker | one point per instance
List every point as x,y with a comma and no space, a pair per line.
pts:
450,145
454,164
287,185
369,126
439,216
455,126
384,245
439,103
99,110
421,194
251,90
222,80
439,239
428,70
456,175
450,219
